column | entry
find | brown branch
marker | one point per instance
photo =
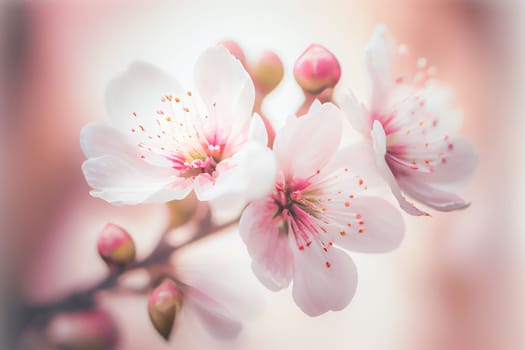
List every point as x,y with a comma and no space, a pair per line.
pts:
38,315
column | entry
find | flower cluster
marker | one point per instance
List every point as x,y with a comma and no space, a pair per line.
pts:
304,192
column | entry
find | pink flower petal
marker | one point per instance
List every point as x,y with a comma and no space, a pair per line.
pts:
306,144
134,97
379,140
457,168
379,57
225,87
267,244
117,174
356,113
258,131
376,227
213,316
360,160
420,131
431,196
323,281
120,181
227,207
240,175
98,139
407,206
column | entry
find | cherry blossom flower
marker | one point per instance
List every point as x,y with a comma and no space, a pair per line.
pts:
412,125
319,204
166,141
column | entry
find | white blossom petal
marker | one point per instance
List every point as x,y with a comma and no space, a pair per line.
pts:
306,144
379,141
134,97
250,174
120,181
360,160
461,162
376,227
380,53
323,281
431,196
225,87
98,139
214,316
258,130
356,113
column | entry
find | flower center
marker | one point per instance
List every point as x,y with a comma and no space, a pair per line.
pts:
298,207
289,198
183,134
204,162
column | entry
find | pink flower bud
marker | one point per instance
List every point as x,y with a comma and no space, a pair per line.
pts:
165,302
235,50
116,247
317,69
267,72
83,330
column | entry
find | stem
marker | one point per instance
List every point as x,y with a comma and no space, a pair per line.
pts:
325,96
257,108
308,100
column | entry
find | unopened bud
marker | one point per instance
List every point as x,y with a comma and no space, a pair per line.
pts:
94,330
182,211
267,72
165,302
116,247
235,50
317,69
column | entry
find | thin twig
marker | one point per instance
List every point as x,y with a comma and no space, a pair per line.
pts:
37,315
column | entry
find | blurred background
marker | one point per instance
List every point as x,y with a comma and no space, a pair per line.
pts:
457,282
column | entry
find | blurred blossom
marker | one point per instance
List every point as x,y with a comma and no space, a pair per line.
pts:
83,330
181,211
267,72
413,129
208,303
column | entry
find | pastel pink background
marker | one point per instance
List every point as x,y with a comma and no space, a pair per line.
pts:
455,283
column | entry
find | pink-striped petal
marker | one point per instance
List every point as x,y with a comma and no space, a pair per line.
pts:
268,245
